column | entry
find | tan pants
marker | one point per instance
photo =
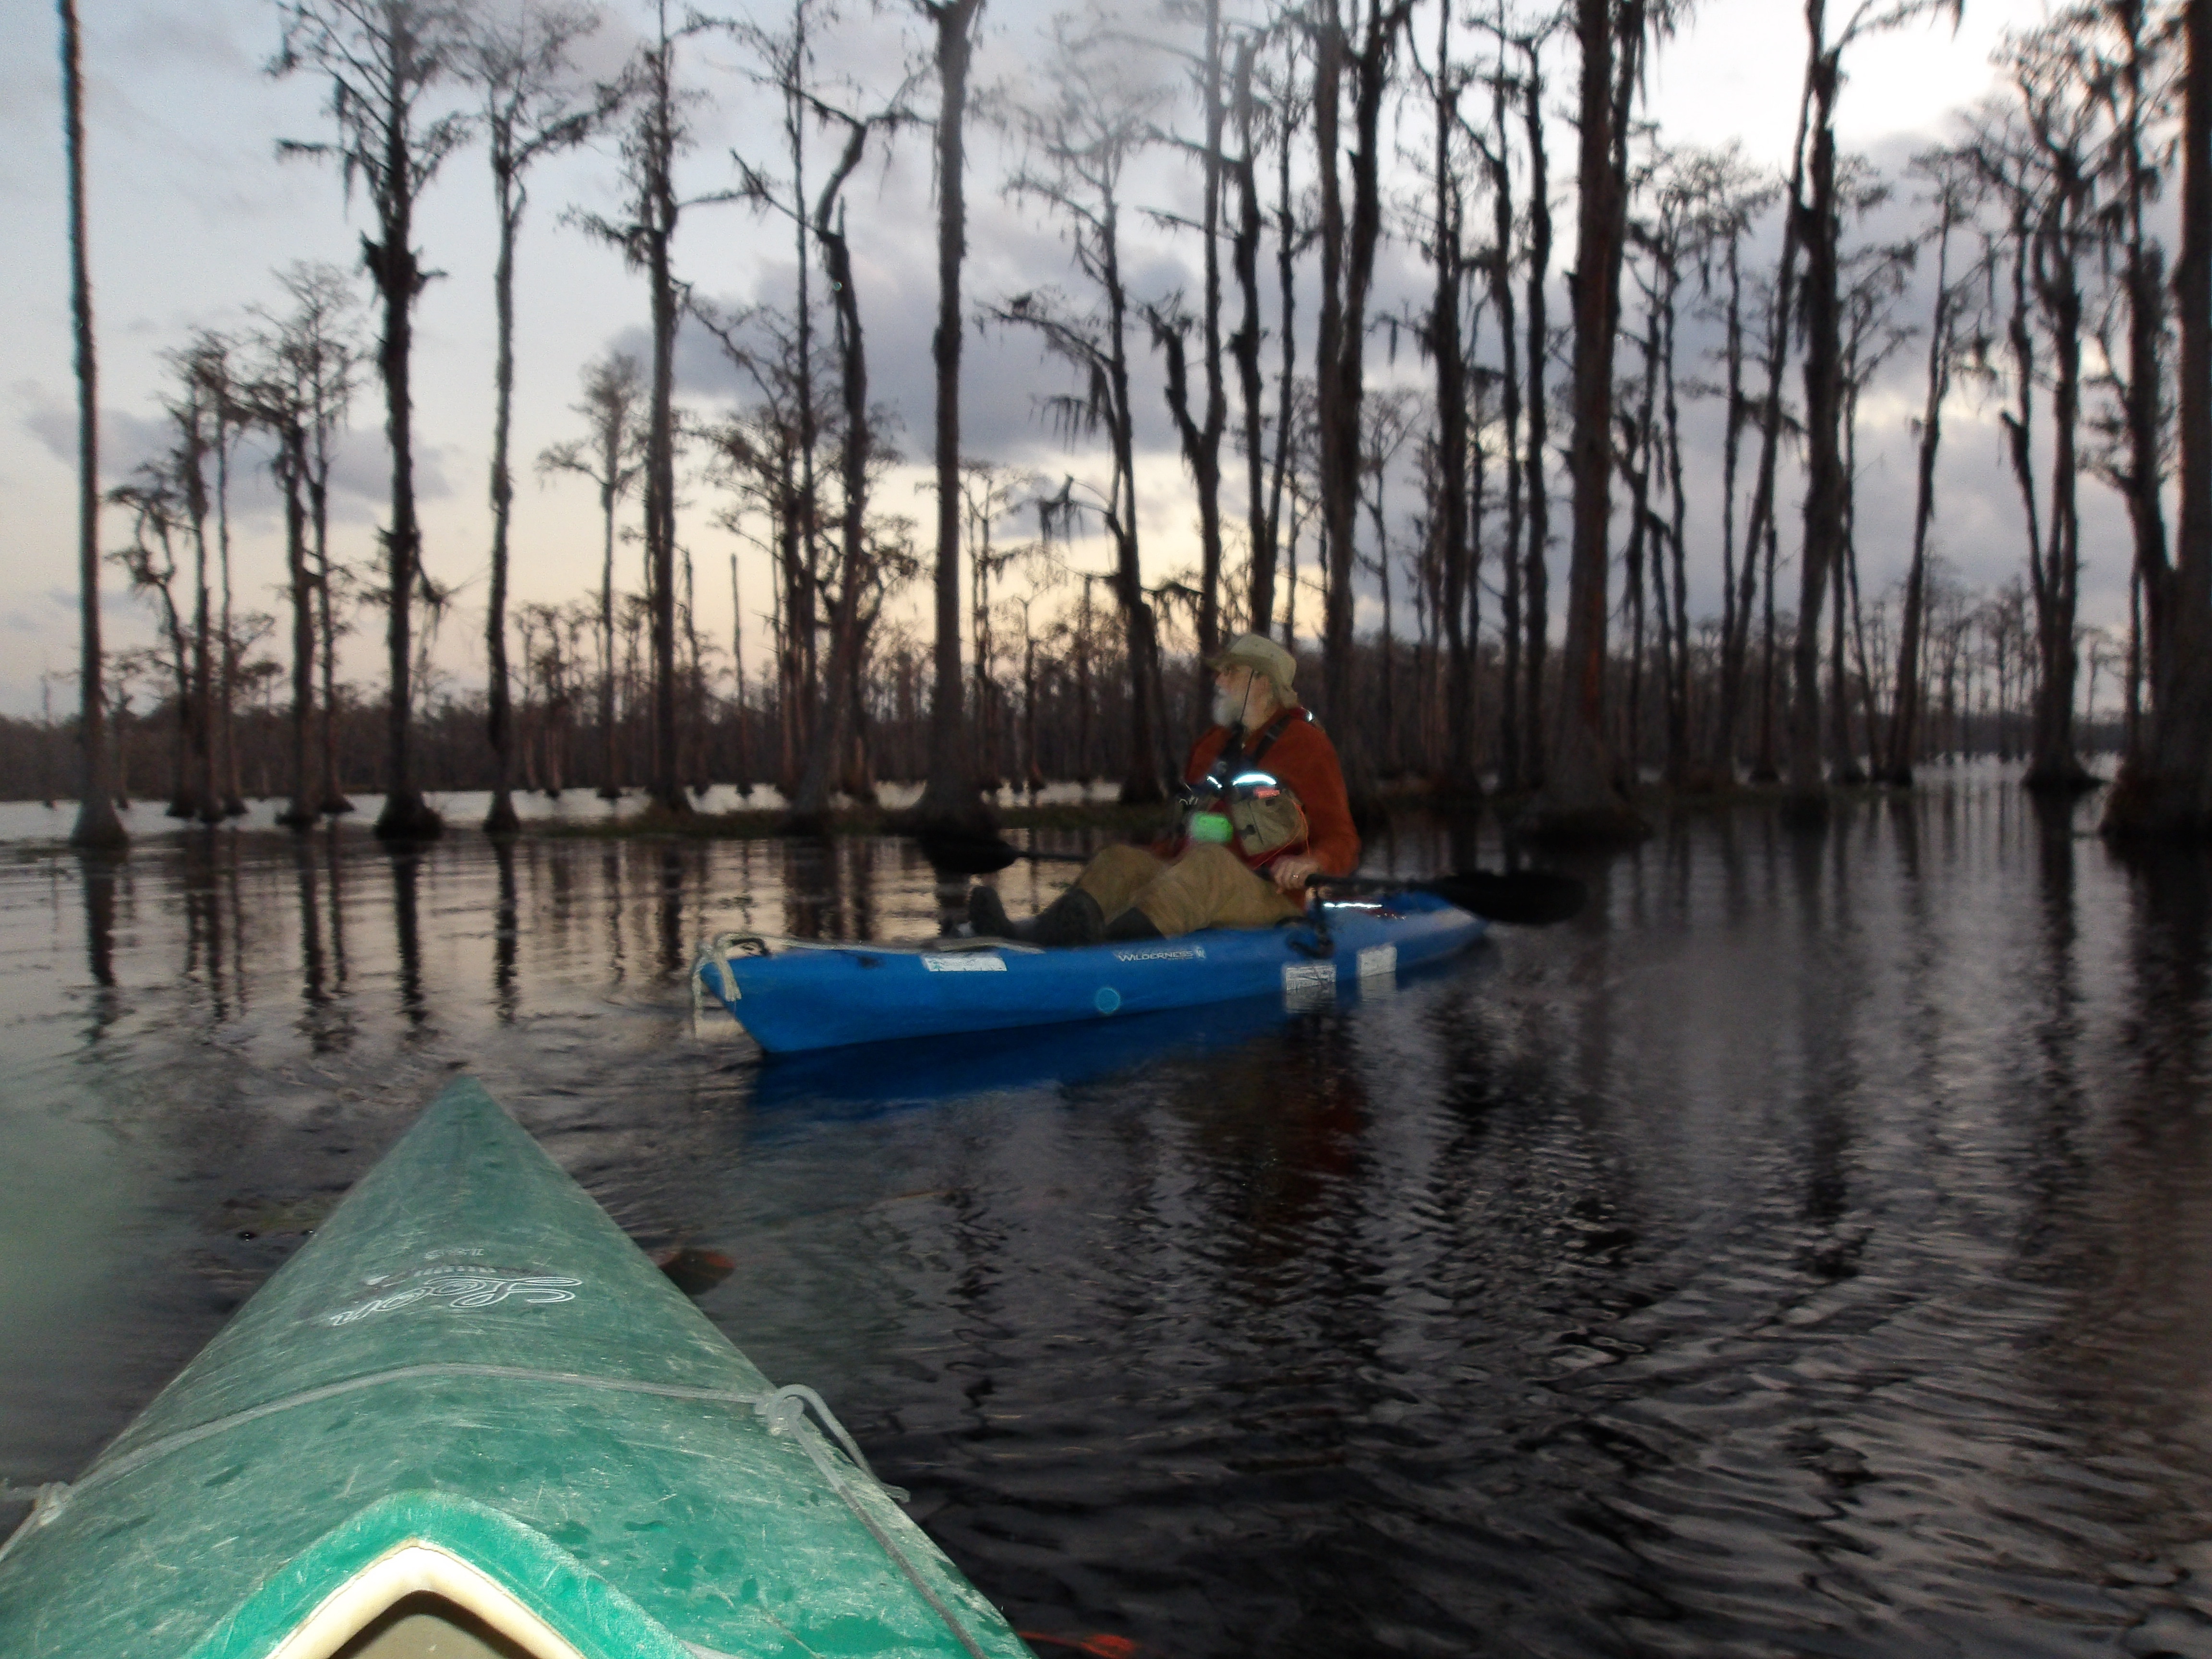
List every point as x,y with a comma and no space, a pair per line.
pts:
1208,886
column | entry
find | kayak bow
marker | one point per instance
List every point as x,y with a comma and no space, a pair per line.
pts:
471,1418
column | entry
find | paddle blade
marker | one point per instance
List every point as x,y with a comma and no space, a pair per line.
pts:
1524,898
964,855
693,1271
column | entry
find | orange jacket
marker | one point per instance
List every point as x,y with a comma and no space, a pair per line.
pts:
1305,760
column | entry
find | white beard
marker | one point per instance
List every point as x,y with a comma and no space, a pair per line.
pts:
1228,707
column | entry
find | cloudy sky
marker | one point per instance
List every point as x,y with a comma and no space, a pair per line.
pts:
192,212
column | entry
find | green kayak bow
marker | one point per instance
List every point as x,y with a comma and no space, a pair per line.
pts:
470,1418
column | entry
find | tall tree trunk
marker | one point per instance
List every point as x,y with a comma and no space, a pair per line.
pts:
226,430
1578,796
1205,455
330,799
199,800
1637,459
2144,399
666,789
1536,620
97,824
499,723
301,811
400,279
610,779
1678,678
1760,527
1824,482
1723,756
1347,272
2054,765
949,797
1286,252
1510,769
1449,530
1338,440
1141,781
1244,343
810,806
1899,751
1843,752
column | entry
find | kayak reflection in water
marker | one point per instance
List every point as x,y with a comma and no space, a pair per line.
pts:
1264,812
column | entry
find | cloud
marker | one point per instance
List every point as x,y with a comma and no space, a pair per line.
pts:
126,440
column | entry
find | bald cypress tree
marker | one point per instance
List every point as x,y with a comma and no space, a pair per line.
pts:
97,824
532,107
950,798
2164,790
384,60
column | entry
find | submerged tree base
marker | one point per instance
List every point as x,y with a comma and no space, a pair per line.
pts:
1806,809
97,828
2068,777
2149,807
408,816
501,820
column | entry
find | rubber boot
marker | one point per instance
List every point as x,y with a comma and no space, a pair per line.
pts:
1073,917
1131,924
987,914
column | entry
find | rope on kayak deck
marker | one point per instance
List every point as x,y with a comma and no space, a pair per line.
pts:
785,1408
46,1503
106,1471
715,952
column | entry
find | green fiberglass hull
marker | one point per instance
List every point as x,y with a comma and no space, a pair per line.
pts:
471,1418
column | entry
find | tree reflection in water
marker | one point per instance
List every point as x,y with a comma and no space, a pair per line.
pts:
1803,1250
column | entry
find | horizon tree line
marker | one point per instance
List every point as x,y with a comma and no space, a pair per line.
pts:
2044,221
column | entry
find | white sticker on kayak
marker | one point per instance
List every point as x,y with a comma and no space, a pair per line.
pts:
974,963
1306,984
1379,962
1180,953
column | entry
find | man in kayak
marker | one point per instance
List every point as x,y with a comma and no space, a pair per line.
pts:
1265,812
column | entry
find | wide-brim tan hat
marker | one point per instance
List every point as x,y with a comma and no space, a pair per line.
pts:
1262,654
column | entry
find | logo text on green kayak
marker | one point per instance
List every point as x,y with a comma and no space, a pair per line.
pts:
451,1286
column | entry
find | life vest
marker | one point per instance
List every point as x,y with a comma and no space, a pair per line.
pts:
1261,819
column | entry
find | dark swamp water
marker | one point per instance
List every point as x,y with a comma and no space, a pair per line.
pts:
1807,1251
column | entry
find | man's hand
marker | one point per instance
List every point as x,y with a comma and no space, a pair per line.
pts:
1293,873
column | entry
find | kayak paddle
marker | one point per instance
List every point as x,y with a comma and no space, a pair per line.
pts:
1522,898
955,854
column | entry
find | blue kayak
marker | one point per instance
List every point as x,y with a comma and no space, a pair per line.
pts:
793,995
